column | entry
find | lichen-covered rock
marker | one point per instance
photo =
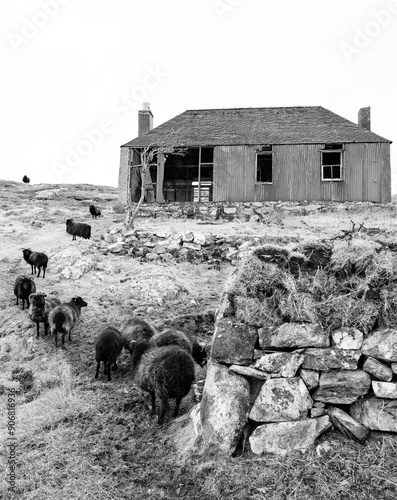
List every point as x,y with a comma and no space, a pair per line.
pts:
310,377
293,336
282,399
285,364
342,387
233,342
330,359
347,338
377,369
386,390
376,414
347,425
382,345
224,408
283,437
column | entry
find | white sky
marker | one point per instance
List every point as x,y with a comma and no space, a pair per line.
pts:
68,73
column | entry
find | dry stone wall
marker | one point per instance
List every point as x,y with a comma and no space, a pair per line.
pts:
304,340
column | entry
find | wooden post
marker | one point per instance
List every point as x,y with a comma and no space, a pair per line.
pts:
160,178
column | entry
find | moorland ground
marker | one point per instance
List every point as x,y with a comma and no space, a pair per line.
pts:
81,438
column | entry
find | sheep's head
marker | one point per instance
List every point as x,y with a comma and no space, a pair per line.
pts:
69,222
26,252
79,302
38,299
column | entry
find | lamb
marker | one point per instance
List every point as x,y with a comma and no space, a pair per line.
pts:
40,308
78,229
95,211
108,346
165,372
37,260
63,318
134,330
25,179
24,286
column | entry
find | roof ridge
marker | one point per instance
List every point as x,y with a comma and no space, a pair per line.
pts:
250,108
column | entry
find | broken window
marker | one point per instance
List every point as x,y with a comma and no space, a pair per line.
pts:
189,177
264,165
331,162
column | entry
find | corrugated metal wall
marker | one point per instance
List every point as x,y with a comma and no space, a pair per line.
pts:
297,174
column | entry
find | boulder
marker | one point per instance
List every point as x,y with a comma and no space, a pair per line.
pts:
293,336
330,359
342,387
223,409
284,437
282,399
376,414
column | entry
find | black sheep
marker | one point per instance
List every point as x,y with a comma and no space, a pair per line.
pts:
37,260
63,318
25,179
78,229
95,211
166,372
171,336
108,346
40,308
134,330
23,287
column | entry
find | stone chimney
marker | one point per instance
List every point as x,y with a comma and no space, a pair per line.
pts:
145,119
364,117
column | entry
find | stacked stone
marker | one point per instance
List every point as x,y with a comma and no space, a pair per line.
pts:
285,384
192,246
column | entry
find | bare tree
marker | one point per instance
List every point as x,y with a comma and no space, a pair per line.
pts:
149,157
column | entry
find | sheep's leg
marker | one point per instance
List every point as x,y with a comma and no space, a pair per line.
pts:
38,330
108,370
63,339
23,304
56,339
39,272
17,301
43,272
164,408
114,368
45,328
153,396
32,268
177,405
98,363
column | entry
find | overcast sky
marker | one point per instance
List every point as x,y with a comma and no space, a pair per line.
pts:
74,73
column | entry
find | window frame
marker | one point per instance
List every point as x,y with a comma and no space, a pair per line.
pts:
332,148
264,151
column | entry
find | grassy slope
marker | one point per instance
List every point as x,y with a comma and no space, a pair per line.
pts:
82,439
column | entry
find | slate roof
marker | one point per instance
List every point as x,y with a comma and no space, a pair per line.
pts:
239,126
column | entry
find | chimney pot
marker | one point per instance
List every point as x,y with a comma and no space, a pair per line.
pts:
364,117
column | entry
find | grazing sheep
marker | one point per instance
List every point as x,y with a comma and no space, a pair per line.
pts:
108,346
40,308
134,330
171,336
166,372
25,179
37,260
95,211
23,287
63,318
78,229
